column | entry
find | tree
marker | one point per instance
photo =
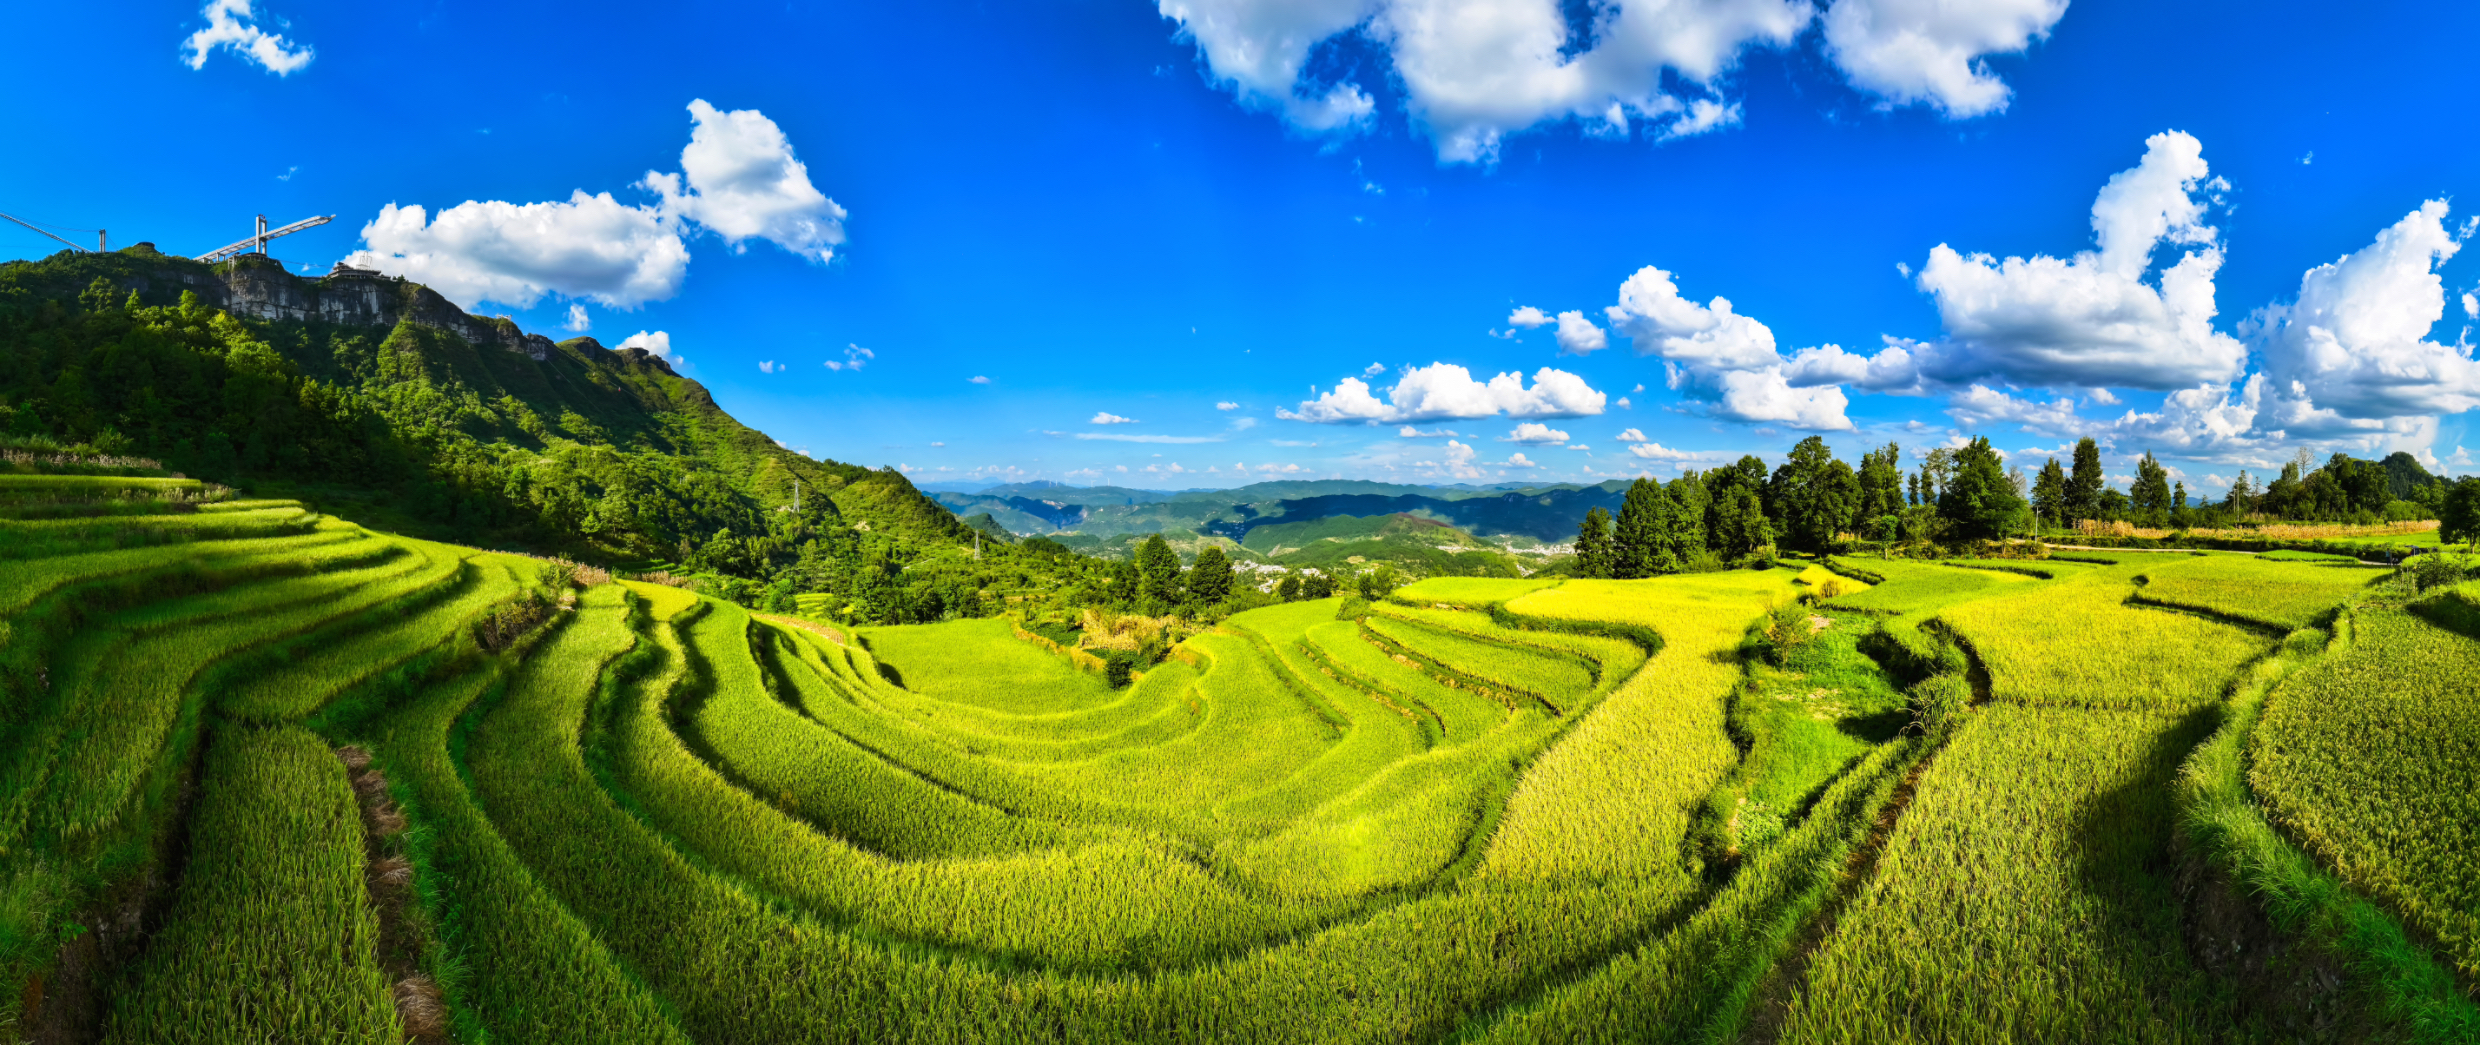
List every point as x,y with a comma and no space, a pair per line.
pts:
1209,581
1377,584
1979,503
2460,521
1814,497
1881,482
2049,494
1735,522
1288,589
1683,525
1594,551
1639,545
1318,585
2150,493
2178,497
2084,486
1158,574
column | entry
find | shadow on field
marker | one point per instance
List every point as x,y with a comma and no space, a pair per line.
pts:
2123,839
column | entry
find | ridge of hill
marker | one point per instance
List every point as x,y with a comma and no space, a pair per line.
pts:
1549,512
379,394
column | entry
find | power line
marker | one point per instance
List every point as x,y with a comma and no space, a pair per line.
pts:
39,231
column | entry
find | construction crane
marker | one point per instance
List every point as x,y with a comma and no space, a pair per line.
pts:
63,242
258,244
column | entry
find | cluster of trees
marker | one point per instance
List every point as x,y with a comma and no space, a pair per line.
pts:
1740,513
2344,489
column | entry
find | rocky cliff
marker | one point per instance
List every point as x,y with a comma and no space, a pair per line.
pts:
258,287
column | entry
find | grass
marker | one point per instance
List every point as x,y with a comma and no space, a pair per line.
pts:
2282,594
2075,642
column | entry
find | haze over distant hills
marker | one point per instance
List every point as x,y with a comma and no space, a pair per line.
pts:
1548,513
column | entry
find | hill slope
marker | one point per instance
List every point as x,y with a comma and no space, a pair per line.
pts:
383,395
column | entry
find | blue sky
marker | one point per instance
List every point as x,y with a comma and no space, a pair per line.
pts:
1315,211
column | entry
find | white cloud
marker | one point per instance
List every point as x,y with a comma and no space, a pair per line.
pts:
1459,461
1373,370
1661,322
1529,317
1703,115
1623,404
1980,405
1536,432
1631,436
1716,355
744,183
938,444
578,321
1105,417
1124,437
1258,49
2353,350
977,379
1891,370
1929,51
854,357
1445,390
1657,452
1578,336
590,247
741,182
657,342
2091,320
233,26
1242,424
1474,71
1409,432
769,366
1518,461
1227,406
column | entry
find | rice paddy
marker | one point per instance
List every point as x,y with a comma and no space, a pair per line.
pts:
263,782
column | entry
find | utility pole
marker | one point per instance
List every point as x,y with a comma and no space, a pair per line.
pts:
99,247
796,497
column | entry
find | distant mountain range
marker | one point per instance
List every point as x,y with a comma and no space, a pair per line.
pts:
1546,513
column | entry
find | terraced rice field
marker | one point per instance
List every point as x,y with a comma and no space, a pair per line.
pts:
262,783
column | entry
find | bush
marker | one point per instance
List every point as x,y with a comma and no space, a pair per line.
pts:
1117,669
1938,704
1785,629
2435,571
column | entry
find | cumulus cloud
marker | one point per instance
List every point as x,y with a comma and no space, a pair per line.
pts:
977,379
1442,391
1518,461
1473,72
578,321
1981,405
1578,336
1720,357
1458,462
1536,432
854,357
1373,370
769,366
1930,51
1657,451
1631,436
2353,346
1105,417
1409,432
231,25
1124,437
2092,320
657,342
592,247
1529,317
1227,406
740,180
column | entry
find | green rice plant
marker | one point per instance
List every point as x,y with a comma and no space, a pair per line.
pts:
1806,720
2022,896
1918,589
39,538
295,679
1616,796
2368,757
1471,593
2076,642
2397,978
979,663
1558,680
2281,594
2293,555
271,936
1610,659
1459,714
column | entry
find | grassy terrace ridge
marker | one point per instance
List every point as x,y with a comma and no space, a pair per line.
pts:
358,787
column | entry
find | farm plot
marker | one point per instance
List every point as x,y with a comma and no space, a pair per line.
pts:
2369,757
2282,594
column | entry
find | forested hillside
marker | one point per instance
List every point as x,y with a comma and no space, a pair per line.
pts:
379,396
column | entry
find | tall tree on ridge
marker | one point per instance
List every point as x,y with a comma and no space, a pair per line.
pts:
1158,575
1979,503
2049,494
1638,541
1209,580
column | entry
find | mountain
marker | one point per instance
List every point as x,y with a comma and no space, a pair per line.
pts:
1549,513
380,399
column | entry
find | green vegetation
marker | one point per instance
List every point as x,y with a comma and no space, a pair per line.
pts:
376,787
